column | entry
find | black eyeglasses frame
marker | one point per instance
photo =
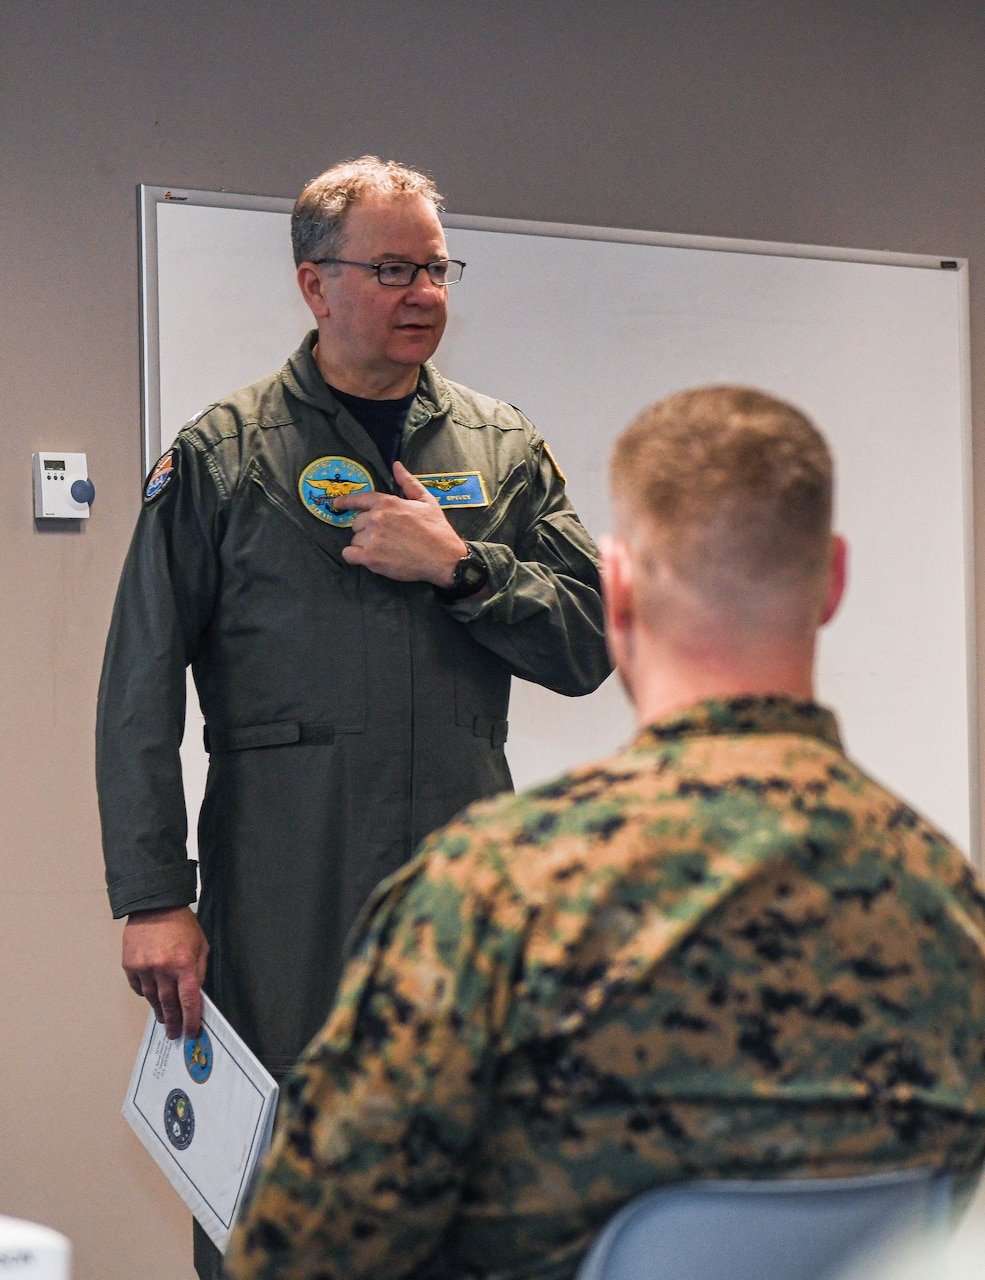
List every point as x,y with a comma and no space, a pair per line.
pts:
444,263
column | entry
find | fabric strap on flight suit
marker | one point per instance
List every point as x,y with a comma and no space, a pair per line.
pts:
287,733
488,727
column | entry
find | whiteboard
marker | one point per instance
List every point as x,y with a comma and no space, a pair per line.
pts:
580,327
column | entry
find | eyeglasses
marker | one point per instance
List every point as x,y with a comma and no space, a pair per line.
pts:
398,275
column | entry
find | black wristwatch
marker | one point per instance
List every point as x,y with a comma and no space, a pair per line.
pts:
471,575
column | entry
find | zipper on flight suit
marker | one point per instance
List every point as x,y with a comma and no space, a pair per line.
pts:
406,439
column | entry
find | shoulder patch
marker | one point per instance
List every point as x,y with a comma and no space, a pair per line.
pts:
553,461
165,470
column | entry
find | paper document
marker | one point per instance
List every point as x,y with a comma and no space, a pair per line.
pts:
204,1109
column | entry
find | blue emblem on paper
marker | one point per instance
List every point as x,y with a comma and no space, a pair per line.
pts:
326,479
457,488
179,1119
198,1057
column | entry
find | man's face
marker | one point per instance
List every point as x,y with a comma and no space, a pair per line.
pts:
378,335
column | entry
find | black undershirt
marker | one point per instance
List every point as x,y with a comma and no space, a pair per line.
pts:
382,420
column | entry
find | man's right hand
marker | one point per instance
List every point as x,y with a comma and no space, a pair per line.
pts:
164,957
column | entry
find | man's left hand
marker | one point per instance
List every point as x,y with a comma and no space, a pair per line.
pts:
408,539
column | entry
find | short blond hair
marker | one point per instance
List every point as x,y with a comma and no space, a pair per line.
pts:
318,220
736,483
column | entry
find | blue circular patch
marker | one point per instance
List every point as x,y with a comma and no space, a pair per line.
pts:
326,479
165,470
179,1119
198,1057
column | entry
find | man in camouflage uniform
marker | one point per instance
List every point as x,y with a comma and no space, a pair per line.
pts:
724,952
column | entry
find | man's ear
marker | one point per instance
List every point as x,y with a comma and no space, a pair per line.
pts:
312,286
837,579
617,594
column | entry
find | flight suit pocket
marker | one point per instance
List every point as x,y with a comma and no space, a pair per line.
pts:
290,644
495,522
328,538
482,696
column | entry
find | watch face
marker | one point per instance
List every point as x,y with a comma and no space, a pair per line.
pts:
474,572
470,575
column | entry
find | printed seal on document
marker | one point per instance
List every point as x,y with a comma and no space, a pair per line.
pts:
179,1119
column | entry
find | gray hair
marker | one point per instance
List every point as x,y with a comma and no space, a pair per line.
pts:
318,220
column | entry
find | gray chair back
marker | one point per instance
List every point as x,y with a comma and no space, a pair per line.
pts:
804,1229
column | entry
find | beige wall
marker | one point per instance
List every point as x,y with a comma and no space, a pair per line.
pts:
844,123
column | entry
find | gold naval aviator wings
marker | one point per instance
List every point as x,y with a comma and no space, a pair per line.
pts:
456,488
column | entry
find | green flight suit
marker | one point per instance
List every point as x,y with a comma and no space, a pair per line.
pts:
347,715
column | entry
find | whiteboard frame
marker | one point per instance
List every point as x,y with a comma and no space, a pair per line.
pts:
151,197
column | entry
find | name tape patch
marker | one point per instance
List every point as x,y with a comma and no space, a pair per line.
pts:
457,488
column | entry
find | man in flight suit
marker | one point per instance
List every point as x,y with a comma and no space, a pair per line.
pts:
355,556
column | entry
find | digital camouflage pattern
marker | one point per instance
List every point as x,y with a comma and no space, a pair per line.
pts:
725,952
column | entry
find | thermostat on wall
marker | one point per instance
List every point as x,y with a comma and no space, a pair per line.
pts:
62,488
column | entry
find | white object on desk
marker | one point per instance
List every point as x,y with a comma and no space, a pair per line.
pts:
32,1252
